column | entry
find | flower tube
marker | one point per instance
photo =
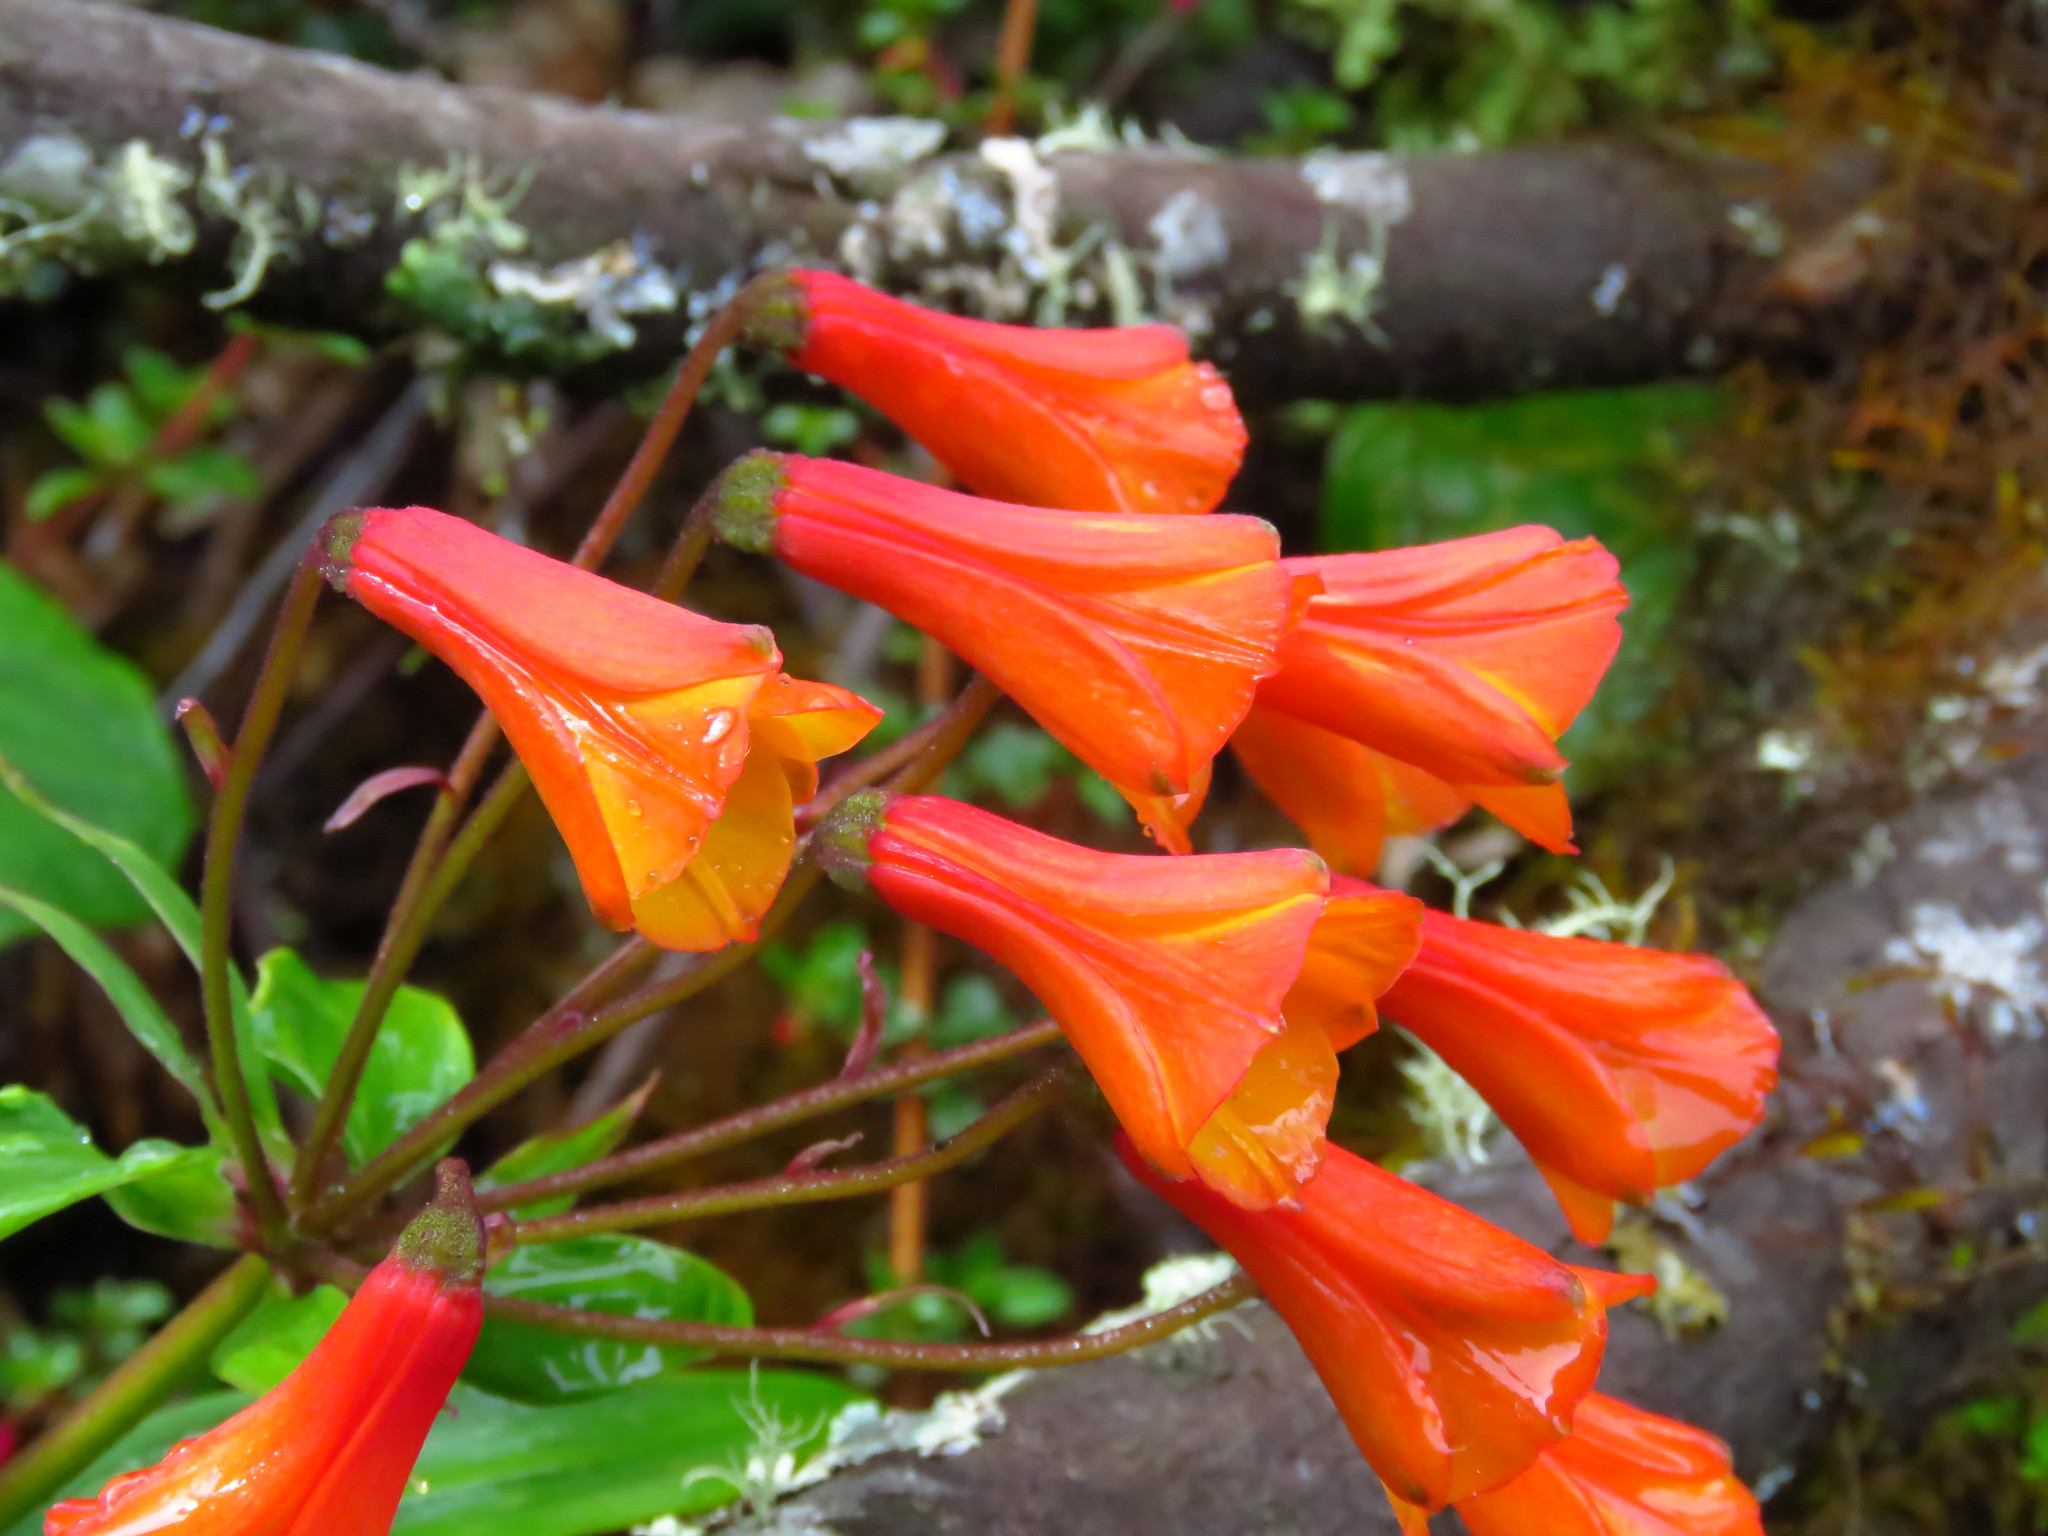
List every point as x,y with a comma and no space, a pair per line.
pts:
1168,975
1622,1472
1455,1352
1621,1070
328,1450
1464,660
669,748
1093,421
1135,640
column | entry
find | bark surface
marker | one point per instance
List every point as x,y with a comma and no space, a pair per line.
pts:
557,237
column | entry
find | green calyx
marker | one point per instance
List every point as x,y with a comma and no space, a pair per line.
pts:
447,1236
337,540
842,837
778,314
741,502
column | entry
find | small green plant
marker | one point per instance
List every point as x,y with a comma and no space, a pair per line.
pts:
116,430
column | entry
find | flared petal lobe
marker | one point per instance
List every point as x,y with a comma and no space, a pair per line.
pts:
1455,1352
1135,640
1092,421
1464,660
1623,1472
1346,798
635,718
1166,974
1365,939
1621,1070
327,1452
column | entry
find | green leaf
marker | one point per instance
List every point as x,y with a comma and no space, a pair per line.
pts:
56,489
422,1054
268,1344
161,385
139,1010
162,895
559,1151
47,1161
189,1200
203,475
632,1276
79,721
576,1469
121,430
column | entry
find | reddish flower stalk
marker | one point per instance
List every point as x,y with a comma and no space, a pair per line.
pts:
328,1450
1623,1472
1095,421
1455,1352
1622,1070
1167,975
1135,640
1464,661
670,749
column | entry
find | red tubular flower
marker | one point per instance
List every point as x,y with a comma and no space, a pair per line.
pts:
1093,421
669,748
1454,1351
1465,660
1623,1472
1347,798
1621,1070
328,1450
1166,974
1135,640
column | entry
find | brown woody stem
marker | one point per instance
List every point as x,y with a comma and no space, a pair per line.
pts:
807,1188
831,1348
216,893
752,1124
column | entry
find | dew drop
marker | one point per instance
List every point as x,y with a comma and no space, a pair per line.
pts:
1216,396
718,725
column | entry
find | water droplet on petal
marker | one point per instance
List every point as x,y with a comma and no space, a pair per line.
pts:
718,725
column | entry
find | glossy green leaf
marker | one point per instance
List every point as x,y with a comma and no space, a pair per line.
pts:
673,1446
422,1054
139,1010
632,1276
47,1161
79,722
189,1200
559,1151
268,1344
162,895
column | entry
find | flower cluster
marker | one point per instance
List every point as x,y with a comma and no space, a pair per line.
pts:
1083,570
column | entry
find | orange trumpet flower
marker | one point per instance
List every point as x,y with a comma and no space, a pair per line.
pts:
1166,974
1454,1351
1623,1472
1621,1070
327,1451
1093,421
669,748
1464,660
1135,640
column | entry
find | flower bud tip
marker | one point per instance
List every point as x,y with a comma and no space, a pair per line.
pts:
447,1236
337,539
778,313
741,502
842,837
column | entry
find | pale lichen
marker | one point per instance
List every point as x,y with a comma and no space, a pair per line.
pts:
1340,281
